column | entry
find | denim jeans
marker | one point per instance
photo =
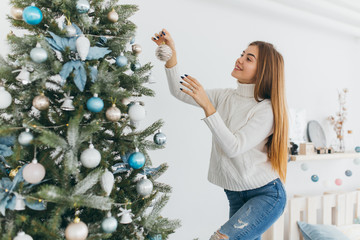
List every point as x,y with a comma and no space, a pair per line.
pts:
253,211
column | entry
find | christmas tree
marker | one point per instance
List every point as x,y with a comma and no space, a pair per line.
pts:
73,162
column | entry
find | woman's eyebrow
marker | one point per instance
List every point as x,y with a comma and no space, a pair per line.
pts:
250,54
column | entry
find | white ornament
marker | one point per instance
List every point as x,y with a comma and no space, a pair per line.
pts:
20,203
163,52
41,102
113,113
38,54
5,98
126,216
107,182
68,103
90,158
70,30
23,236
25,138
76,230
24,75
136,112
34,172
144,187
113,16
83,46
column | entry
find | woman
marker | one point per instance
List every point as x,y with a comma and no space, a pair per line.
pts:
249,126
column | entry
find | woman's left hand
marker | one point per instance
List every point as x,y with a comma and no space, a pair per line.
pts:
197,92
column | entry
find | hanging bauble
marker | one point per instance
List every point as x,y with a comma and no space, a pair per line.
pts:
338,182
107,182
24,76
113,113
357,161
76,230
83,46
163,52
109,224
95,104
314,178
121,61
32,15
135,66
25,138
160,138
357,149
348,173
90,158
144,187
16,13
304,166
113,16
136,112
82,6
23,236
34,172
38,54
136,160
126,101
136,49
41,102
67,103
70,30
132,41
125,216
5,98
154,237
19,203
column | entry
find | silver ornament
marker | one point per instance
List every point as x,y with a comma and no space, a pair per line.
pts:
107,182
136,112
25,138
24,75
136,49
76,230
19,203
16,13
38,54
5,98
144,187
68,103
160,138
34,172
125,216
70,30
23,236
113,16
109,224
41,102
163,52
83,46
82,6
90,158
113,113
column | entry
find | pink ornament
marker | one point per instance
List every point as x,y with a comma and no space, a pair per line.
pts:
338,182
34,172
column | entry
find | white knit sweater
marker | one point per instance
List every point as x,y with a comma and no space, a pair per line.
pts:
240,128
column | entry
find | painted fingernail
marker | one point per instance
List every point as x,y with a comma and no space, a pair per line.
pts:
163,33
182,77
181,81
181,89
185,75
157,38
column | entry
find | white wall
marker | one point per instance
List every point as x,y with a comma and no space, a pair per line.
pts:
209,36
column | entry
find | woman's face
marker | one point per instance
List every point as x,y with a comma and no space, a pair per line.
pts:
245,65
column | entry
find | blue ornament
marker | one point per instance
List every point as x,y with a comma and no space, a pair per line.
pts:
95,104
348,173
38,54
82,6
160,138
357,161
136,160
132,40
154,237
109,225
357,149
314,178
32,15
121,61
135,66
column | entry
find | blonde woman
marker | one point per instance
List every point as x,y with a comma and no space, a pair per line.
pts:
249,126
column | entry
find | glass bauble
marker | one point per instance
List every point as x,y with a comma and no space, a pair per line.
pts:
5,98
95,104
32,15
34,172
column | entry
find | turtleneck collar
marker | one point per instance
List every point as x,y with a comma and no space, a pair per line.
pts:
245,90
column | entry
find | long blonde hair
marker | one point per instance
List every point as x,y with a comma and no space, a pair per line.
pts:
270,84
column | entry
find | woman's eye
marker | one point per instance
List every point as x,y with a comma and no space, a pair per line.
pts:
241,55
249,59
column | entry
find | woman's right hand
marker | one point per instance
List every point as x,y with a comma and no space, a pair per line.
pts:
164,37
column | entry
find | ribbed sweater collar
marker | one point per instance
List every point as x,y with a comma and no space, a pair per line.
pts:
245,90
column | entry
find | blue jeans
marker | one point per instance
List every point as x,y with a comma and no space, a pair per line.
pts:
253,211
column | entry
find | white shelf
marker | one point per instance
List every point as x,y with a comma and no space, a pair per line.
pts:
325,156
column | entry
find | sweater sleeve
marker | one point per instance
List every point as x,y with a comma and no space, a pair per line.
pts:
174,78
256,130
